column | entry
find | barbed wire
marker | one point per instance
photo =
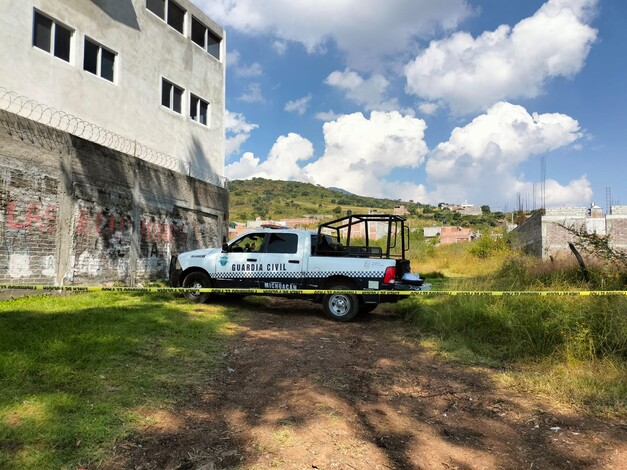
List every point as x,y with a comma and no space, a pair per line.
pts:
25,107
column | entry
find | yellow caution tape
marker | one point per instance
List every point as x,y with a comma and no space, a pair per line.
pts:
581,293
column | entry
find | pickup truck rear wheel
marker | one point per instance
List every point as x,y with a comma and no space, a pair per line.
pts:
197,280
340,306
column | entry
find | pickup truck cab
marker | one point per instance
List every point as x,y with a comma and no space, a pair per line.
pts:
333,258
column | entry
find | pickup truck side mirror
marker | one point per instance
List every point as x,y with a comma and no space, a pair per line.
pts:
225,247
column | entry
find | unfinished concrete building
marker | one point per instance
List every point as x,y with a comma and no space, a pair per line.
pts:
545,233
111,139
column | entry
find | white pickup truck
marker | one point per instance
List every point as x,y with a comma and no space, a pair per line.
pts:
339,256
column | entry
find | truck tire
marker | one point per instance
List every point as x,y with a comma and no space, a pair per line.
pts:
199,280
341,307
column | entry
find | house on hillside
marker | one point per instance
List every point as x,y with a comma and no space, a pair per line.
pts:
464,209
449,235
469,209
400,210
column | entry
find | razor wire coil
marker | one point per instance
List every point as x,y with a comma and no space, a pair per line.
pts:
30,109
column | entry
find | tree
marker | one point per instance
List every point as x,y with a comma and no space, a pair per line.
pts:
599,246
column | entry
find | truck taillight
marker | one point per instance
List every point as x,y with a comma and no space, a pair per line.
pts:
390,275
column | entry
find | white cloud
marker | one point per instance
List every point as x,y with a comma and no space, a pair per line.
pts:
237,131
233,58
428,108
577,193
282,162
327,115
248,71
245,168
298,106
470,74
280,47
360,153
233,62
369,93
252,94
480,162
366,30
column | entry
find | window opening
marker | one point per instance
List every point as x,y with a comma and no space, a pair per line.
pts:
170,12
213,44
157,7
171,96
199,32
52,37
205,38
198,110
107,64
99,60
176,16
42,32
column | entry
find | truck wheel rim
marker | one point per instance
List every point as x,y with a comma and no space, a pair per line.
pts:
196,285
340,305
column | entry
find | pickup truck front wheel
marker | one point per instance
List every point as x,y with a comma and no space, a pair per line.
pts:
197,280
339,306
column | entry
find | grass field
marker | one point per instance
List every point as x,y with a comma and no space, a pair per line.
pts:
572,350
77,371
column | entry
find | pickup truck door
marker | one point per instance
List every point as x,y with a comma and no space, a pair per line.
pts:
240,265
267,260
282,262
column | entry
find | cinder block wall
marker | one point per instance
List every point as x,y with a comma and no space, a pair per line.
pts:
617,227
74,212
556,238
528,235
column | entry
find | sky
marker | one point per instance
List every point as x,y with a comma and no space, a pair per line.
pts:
497,102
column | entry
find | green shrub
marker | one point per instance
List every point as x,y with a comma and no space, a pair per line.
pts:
487,245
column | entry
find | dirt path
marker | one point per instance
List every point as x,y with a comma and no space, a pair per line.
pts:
298,391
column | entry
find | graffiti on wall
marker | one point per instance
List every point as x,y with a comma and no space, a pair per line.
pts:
101,238
25,256
35,217
44,218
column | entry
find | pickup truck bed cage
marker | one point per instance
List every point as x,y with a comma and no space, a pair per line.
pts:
346,236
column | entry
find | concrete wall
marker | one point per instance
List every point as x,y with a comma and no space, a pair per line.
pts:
147,50
618,210
528,235
545,235
566,211
555,237
450,235
75,212
431,232
617,227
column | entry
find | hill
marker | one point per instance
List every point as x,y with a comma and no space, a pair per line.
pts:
275,200
270,199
